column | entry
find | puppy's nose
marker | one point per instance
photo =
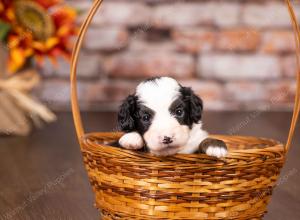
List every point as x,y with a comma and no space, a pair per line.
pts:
167,140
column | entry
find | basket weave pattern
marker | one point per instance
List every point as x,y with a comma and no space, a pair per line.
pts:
131,185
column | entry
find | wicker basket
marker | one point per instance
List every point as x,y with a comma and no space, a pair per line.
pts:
133,185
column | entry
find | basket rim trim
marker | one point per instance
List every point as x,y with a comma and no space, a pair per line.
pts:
277,147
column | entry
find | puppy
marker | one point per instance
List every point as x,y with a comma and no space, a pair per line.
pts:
166,118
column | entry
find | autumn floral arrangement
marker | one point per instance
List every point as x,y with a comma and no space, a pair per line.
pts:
30,32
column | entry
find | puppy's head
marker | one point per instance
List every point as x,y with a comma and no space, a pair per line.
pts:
163,112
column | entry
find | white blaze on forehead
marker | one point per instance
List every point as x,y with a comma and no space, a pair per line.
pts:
158,93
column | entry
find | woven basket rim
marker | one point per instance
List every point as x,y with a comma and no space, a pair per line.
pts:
273,149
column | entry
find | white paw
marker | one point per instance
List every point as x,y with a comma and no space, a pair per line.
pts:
216,151
131,141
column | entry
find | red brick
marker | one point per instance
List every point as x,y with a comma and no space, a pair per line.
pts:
264,15
89,66
261,95
182,14
282,92
194,40
107,91
289,66
106,38
193,14
226,14
208,90
141,64
140,44
278,42
55,93
91,95
245,91
238,40
232,67
122,13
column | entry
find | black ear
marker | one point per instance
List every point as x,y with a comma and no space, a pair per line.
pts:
194,104
126,114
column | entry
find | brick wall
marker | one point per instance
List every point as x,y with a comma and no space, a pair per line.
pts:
235,54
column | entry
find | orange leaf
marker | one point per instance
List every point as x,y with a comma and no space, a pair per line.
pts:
16,60
51,42
64,30
1,7
39,46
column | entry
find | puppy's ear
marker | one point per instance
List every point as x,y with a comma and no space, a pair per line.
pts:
194,104
126,114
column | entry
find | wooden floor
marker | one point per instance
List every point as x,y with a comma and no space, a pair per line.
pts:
42,176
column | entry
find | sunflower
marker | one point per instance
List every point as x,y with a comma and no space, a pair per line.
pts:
36,31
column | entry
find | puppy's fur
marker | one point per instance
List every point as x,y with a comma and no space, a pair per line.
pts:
166,117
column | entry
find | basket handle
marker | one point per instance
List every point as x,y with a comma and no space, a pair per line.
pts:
74,98
297,96
73,77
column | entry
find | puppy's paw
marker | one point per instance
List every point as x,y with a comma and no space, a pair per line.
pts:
216,151
131,141
214,147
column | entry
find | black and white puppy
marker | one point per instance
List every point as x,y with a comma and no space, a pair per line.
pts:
166,117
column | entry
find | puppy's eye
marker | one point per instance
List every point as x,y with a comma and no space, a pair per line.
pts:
146,118
179,112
